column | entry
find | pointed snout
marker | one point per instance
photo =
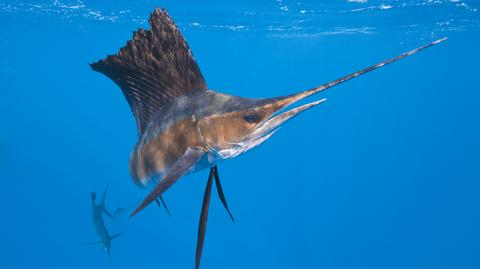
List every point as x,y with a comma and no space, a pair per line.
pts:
276,117
279,103
276,120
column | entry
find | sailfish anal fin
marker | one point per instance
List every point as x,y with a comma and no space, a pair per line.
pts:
153,68
189,158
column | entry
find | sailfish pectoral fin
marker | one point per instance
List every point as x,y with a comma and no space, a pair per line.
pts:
107,213
92,243
103,202
221,195
115,236
202,225
180,168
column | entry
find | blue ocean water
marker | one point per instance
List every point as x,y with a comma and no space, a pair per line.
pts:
385,174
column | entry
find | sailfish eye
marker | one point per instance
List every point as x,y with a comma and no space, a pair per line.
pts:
252,117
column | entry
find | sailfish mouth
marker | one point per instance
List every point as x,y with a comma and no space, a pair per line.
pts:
270,125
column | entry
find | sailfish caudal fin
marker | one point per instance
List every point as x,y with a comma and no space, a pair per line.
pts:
153,68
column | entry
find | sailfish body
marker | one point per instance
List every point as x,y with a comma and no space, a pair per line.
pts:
200,121
182,125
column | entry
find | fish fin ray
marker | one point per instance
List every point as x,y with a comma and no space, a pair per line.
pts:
153,68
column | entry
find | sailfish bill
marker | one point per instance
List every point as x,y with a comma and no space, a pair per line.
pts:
182,125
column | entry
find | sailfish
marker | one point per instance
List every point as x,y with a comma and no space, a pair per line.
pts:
183,126
98,223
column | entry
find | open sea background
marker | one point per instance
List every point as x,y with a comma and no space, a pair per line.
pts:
385,174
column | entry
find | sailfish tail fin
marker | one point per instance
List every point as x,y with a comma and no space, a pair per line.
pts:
153,68
109,256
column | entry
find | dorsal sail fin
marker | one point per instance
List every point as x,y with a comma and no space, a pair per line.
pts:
153,68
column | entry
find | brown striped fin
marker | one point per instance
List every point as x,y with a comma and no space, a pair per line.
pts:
153,68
